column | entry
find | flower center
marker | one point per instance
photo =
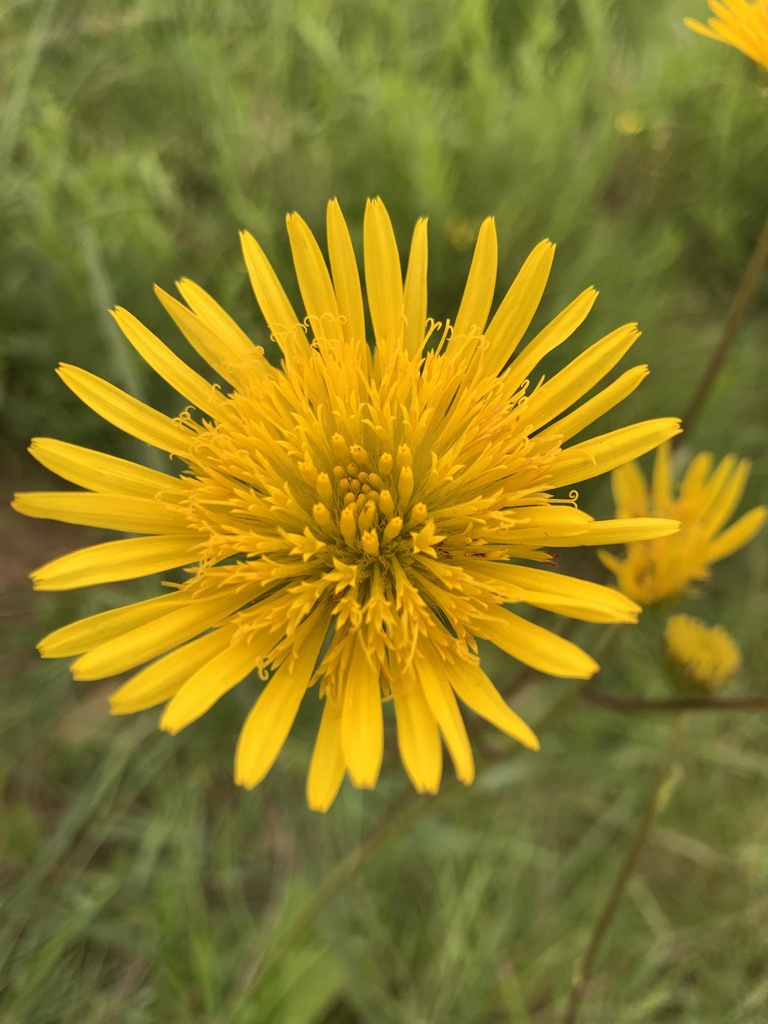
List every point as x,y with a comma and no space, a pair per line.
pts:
365,502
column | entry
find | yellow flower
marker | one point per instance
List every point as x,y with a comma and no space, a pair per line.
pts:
661,568
708,655
740,24
354,518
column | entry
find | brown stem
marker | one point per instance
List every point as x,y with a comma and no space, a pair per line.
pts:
741,301
596,695
655,806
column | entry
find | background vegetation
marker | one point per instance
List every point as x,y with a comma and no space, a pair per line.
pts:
138,884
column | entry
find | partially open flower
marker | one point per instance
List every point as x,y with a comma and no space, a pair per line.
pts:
657,569
708,655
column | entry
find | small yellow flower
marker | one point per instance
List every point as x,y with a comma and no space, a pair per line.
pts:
739,23
708,655
662,568
355,518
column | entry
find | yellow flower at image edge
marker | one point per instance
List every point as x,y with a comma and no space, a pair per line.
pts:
355,518
665,566
708,655
739,23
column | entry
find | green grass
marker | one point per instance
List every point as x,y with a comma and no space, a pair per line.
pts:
138,884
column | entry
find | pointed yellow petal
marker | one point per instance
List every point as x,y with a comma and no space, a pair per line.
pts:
230,337
661,478
606,452
346,277
603,402
570,384
418,736
535,646
314,280
114,561
383,275
283,323
167,364
738,534
163,678
125,412
270,719
477,691
78,637
362,722
513,317
209,683
547,340
224,359
415,296
723,507
104,511
630,490
156,637
478,293
695,476
99,472
625,531
556,592
326,769
435,681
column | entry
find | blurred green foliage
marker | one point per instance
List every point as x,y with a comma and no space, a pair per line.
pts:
136,138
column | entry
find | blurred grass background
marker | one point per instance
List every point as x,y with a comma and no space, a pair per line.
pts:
136,138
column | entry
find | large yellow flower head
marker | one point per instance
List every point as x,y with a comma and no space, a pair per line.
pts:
355,518
664,567
739,23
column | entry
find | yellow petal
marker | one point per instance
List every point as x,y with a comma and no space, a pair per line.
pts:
534,646
209,683
624,531
661,479
606,452
433,676
383,275
326,769
477,691
478,292
78,637
163,678
99,472
630,490
230,337
723,507
556,592
274,304
346,277
695,476
513,317
314,280
738,534
415,295
225,360
603,402
418,736
114,561
125,412
167,364
548,339
104,511
579,376
156,637
362,722
270,719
